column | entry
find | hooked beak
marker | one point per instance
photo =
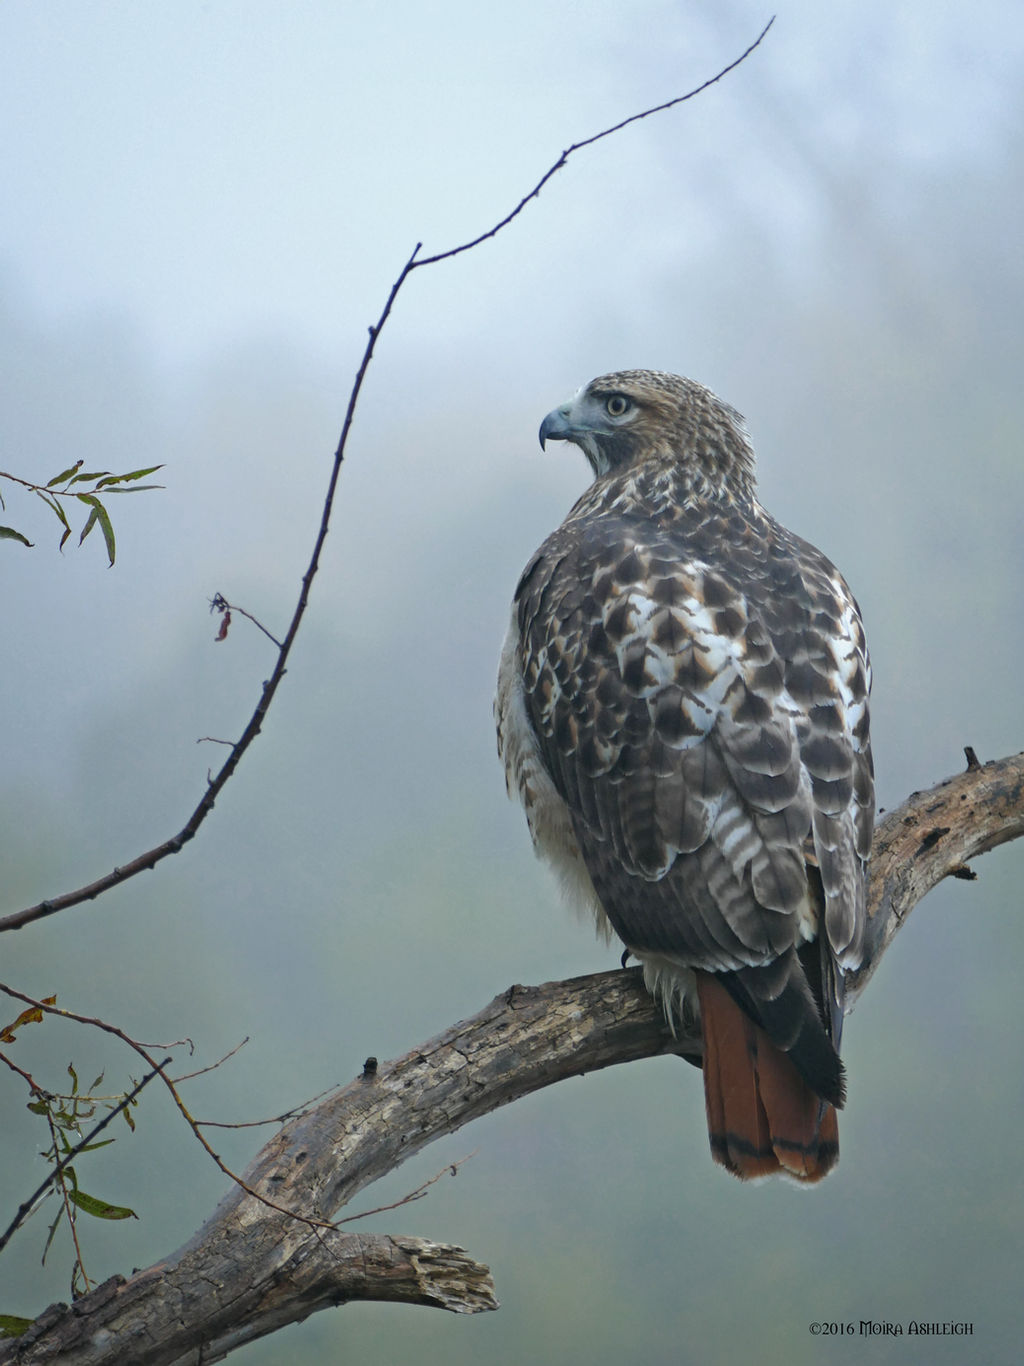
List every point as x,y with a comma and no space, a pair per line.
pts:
556,426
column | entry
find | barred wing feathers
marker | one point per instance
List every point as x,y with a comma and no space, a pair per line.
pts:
697,686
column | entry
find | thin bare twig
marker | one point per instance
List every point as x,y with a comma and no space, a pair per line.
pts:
188,1076
589,142
450,1169
301,1109
219,603
216,783
33,1085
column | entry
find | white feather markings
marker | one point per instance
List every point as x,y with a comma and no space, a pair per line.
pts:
527,778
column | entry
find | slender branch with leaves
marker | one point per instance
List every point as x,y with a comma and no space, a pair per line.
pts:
60,492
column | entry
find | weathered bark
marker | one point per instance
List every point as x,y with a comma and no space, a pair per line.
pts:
250,1269
932,836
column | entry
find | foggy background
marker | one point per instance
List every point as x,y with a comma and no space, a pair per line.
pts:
204,206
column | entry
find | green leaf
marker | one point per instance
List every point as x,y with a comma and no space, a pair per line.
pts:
98,514
96,474
65,474
128,1117
99,1209
74,1078
93,518
97,1082
103,1143
11,1326
38,1107
52,1232
58,511
135,474
53,505
136,488
8,533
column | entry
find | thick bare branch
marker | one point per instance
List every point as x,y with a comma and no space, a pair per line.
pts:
250,1269
934,835
158,1318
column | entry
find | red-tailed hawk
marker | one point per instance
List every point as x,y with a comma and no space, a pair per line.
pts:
682,709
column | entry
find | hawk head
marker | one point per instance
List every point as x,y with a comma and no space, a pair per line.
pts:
634,417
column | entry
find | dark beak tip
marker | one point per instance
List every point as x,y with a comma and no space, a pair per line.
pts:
551,429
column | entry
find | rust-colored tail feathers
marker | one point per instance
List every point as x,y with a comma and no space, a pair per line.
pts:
762,1115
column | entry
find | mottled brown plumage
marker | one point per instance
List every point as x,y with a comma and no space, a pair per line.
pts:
682,709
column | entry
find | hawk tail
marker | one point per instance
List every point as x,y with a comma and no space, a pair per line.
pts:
763,1117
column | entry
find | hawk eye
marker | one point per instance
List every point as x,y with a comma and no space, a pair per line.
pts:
617,405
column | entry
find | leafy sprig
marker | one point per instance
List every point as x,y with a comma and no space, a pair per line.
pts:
68,1116
61,489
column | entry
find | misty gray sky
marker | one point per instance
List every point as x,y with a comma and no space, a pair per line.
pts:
209,171
204,206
